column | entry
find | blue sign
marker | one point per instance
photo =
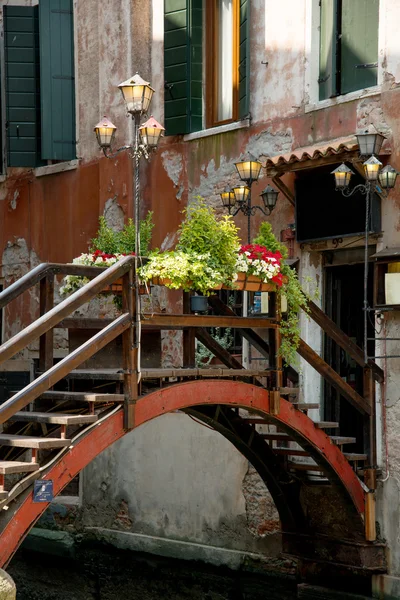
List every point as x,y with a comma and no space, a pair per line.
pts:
43,490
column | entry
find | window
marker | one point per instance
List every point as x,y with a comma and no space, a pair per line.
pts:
348,46
39,78
220,29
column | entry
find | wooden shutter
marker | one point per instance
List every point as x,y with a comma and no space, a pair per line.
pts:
244,58
57,79
183,65
359,44
328,49
21,44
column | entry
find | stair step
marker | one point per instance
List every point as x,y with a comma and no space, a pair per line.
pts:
354,457
108,374
29,441
290,452
305,405
82,397
282,437
256,421
14,466
304,467
3,495
339,440
53,418
326,424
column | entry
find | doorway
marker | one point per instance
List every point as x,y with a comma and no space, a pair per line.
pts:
344,298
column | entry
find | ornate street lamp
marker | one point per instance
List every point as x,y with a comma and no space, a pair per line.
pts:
369,143
137,94
269,196
105,133
248,170
228,199
239,198
342,176
150,133
387,177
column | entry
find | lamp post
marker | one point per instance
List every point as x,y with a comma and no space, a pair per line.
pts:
238,199
375,177
137,94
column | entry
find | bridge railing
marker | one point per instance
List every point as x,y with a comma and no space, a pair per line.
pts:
51,316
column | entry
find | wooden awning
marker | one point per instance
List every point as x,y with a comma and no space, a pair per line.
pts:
309,157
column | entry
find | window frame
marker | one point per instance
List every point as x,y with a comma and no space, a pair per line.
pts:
312,49
211,73
49,166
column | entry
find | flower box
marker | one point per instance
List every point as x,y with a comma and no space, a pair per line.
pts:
252,283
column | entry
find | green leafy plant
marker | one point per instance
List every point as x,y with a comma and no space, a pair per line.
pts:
205,256
224,338
296,298
123,242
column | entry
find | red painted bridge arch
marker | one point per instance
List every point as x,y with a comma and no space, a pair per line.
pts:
179,397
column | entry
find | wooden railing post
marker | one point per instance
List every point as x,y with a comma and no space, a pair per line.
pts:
130,351
274,335
46,341
189,337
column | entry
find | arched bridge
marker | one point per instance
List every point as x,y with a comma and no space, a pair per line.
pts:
325,509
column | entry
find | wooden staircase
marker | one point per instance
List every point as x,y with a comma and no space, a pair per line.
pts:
41,424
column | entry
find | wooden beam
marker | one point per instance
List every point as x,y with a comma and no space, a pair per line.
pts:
284,189
343,340
251,336
211,344
370,517
168,321
333,378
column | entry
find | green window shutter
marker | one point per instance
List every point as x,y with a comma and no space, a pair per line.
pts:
359,44
244,58
183,66
328,49
21,48
57,79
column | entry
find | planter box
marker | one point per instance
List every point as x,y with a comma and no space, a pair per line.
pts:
251,283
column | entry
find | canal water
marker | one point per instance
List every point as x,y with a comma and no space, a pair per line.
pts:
108,574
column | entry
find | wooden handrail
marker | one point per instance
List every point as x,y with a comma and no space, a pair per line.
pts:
59,312
343,340
45,381
24,283
34,276
333,378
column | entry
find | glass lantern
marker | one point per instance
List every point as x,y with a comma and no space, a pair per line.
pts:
342,176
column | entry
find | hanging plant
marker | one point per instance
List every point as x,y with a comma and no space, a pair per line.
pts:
296,298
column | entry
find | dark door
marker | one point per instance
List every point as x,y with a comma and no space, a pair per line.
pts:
344,299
